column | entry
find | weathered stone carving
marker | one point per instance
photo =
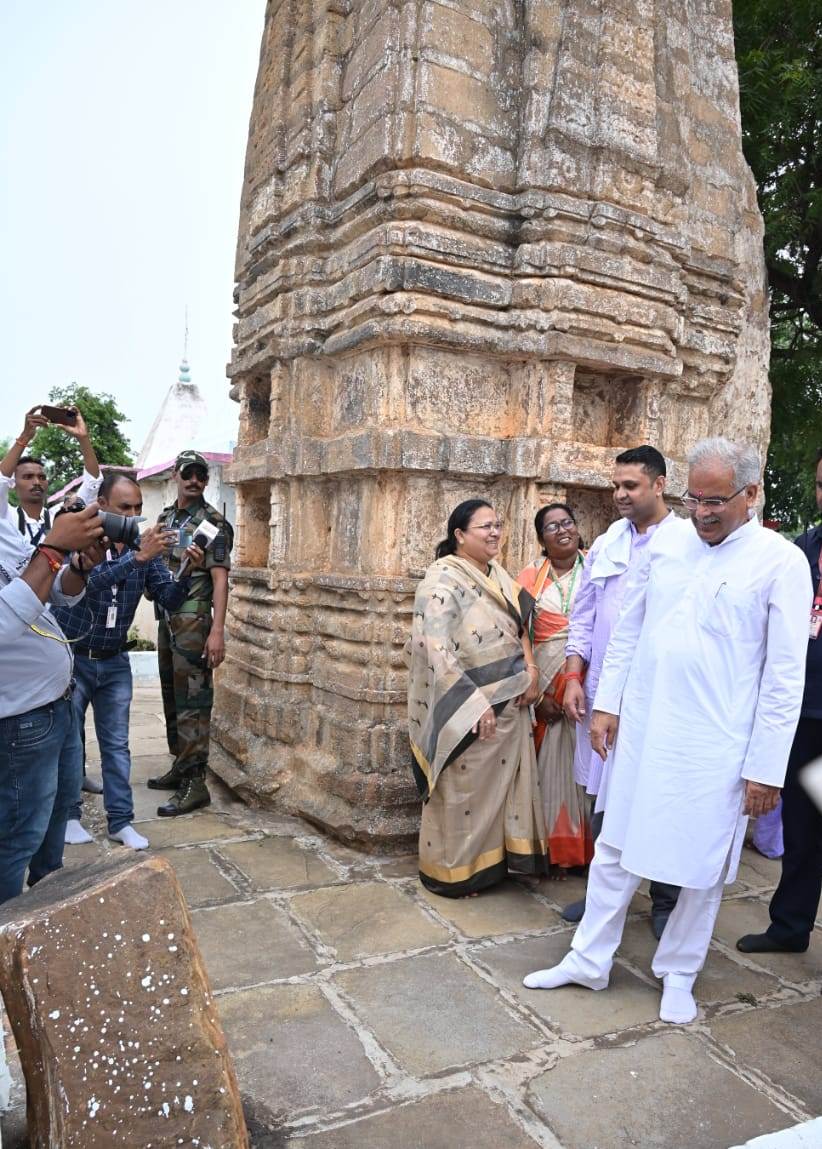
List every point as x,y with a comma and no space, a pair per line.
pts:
109,1004
483,245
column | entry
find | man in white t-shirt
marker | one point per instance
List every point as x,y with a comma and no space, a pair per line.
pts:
27,476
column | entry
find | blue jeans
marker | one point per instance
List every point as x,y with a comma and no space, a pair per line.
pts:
41,769
106,684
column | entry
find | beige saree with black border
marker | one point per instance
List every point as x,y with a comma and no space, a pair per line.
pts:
482,814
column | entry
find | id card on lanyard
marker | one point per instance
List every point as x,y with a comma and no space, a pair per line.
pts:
111,613
816,610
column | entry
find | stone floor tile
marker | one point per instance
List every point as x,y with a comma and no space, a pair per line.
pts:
721,979
188,829
279,863
783,1043
264,945
429,1124
748,916
292,1052
626,1002
756,870
664,1092
145,766
504,909
433,1013
367,918
404,867
202,882
563,892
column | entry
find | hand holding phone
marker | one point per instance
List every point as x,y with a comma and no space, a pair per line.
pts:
65,416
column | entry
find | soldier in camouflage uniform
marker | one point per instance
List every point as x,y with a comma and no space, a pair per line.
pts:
191,641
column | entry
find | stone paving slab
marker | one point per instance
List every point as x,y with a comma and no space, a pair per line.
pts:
664,1092
757,870
204,884
292,1051
433,1013
198,827
354,921
250,942
279,863
463,1117
781,1043
505,909
722,979
748,916
575,1010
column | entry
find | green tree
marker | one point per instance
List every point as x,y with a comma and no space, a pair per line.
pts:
61,453
779,55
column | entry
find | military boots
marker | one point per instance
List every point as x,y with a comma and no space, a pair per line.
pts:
168,781
191,794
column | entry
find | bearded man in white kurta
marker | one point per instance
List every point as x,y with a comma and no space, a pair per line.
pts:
703,681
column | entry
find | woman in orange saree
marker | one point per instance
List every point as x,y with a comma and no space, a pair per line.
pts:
553,580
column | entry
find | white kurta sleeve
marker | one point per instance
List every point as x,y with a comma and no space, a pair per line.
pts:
783,675
89,487
623,641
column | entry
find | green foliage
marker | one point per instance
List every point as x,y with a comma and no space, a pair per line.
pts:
779,54
61,453
140,643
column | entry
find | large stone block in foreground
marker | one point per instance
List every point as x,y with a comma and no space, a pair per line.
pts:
484,245
109,1004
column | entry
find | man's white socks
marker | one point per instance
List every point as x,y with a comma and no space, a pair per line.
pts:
678,1005
128,836
76,834
557,976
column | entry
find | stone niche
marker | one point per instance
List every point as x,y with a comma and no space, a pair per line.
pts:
483,247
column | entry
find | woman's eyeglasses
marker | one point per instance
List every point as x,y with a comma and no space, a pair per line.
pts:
554,528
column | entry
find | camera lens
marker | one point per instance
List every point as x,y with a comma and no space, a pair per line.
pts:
121,528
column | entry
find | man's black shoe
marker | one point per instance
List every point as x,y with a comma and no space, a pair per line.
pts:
168,781
765,944
193,794
574,912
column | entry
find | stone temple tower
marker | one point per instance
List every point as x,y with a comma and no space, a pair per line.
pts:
484,245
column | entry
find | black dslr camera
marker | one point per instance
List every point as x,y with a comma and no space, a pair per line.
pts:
116,528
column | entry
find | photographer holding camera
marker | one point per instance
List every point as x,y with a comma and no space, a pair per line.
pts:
99,626
27,475
41,754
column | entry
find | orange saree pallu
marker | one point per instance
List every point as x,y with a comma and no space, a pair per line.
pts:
565,808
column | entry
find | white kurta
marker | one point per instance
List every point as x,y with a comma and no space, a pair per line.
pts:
706,668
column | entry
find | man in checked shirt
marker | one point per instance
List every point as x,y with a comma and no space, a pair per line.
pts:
100,625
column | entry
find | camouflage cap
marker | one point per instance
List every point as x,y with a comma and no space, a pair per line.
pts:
190,459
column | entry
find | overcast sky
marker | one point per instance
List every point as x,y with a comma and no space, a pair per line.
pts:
122,142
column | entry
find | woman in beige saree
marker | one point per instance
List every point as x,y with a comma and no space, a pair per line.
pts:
553,580
471,682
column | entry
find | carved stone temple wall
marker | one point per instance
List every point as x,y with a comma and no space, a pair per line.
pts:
484,245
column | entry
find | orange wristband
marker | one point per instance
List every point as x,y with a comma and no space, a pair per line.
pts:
52,557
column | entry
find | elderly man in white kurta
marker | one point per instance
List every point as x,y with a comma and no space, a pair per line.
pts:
703,682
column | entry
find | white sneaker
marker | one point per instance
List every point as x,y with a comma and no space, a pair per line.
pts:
128,836
76,833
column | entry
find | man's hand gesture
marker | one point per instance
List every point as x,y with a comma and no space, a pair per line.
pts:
34,421
78,429
604,729
154,541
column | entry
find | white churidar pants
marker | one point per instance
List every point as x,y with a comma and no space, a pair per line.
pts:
683,946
